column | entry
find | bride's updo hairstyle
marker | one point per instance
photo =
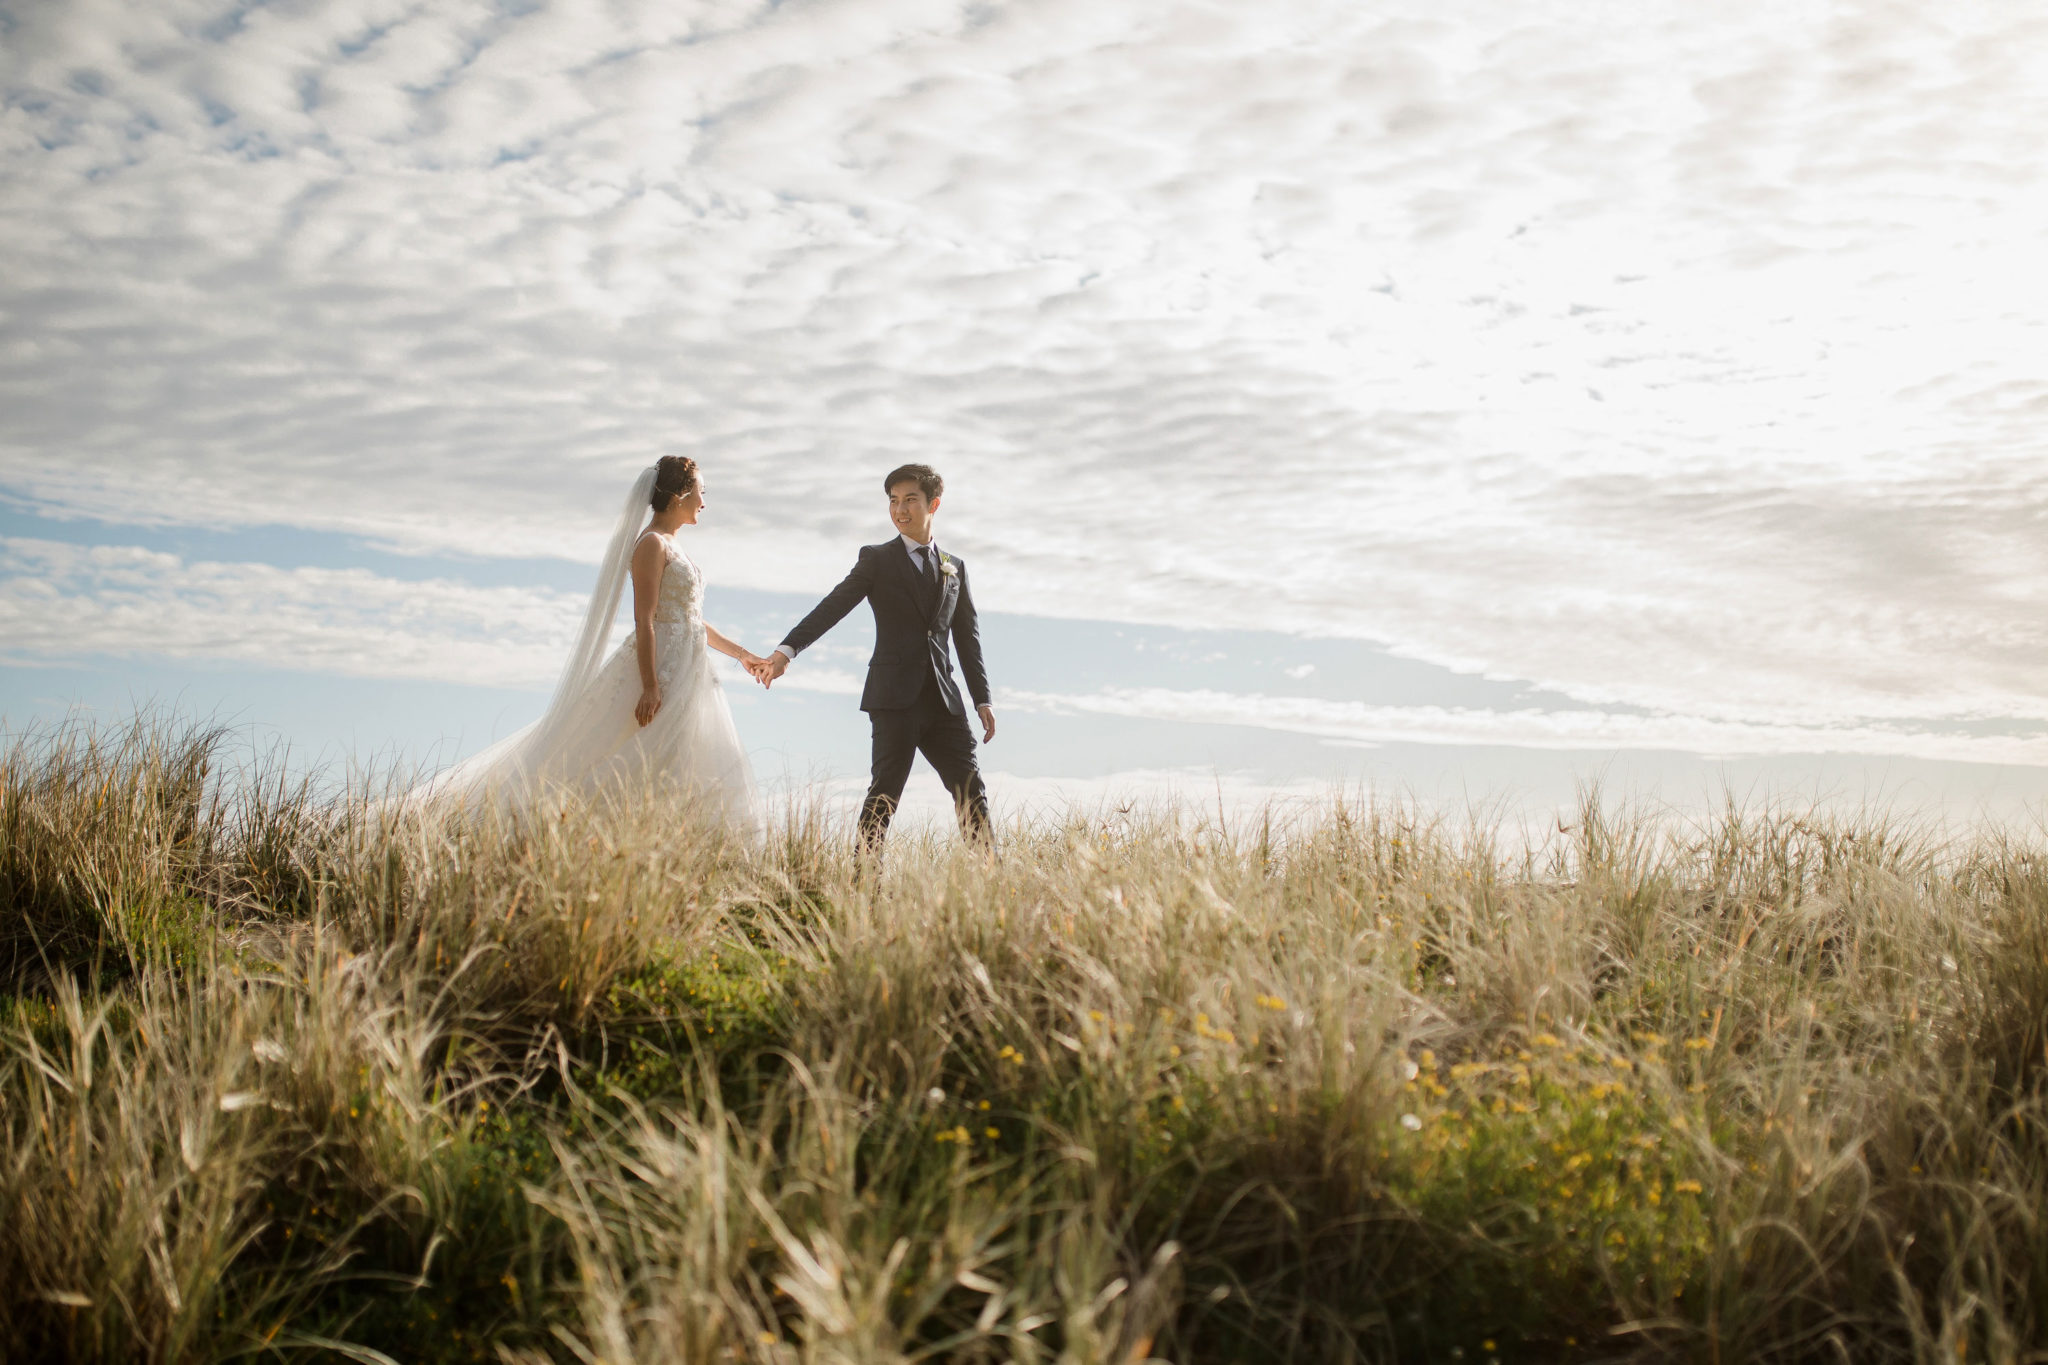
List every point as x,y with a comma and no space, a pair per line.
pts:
675,476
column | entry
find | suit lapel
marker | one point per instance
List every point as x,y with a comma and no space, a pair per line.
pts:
949,588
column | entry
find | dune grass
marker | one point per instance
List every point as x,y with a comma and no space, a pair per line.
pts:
290,1075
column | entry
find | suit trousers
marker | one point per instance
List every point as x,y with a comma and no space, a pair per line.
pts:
946,741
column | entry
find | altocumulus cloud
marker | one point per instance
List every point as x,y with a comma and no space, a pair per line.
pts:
1581,730
1672,355
64,601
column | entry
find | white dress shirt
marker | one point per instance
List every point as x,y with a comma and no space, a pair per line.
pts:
917,558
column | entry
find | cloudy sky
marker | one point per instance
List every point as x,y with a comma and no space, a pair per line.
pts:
1460,395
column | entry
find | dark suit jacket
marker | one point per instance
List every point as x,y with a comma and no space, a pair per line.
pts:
916,629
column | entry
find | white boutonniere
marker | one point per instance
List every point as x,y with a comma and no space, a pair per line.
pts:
946,565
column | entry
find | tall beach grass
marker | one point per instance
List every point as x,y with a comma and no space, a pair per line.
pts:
292,1074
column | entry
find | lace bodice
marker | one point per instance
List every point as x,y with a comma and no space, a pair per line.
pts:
681,598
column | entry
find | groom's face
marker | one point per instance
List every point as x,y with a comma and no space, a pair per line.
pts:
909,510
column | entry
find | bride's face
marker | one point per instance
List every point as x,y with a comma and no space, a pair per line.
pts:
691,503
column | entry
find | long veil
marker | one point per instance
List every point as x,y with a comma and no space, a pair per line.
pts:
515,763
612,572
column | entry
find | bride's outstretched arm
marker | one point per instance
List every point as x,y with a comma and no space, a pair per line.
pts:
725,645
648,563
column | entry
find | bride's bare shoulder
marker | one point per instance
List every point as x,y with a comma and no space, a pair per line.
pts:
653,547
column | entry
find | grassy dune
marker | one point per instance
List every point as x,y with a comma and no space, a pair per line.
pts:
285,1077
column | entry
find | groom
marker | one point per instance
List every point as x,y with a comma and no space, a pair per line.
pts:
922,609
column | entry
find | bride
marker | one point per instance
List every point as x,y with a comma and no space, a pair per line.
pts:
653,713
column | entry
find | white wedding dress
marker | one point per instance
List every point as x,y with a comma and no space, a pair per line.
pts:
589,741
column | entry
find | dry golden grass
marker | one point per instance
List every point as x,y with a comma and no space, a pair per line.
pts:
291,1075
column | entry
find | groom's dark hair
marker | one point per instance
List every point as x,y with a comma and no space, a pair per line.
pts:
923,475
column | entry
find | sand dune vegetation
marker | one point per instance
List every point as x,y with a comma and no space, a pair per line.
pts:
287,1075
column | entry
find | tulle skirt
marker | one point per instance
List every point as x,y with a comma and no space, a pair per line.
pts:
592,745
